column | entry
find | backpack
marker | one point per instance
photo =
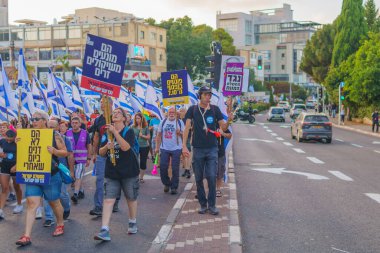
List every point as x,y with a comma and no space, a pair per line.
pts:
162,128
136,146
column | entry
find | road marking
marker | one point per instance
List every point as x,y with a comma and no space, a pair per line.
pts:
376,142
280,139
339,250
377,151
280,171
265,127
339,140
340,175
298,150
356,145
260,164
269,131
274,134
285,126
315,160
253,139
288,144
374,196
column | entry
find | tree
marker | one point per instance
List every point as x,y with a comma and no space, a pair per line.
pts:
317,54
271,98
64,64
226,40
351,27
150,21
371,16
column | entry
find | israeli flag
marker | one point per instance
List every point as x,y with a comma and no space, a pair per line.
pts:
40,102
84,92
124,100
6,91
23,79
141,89
152,101
136,103
192,93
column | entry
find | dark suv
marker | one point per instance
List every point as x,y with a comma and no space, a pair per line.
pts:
312,126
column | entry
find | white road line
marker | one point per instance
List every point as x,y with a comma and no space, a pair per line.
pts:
265,127
298,150
280,139
274,134
356,145
339,140
374,196
315,160
269,131
340,175
377,151
288,144
376,142
339,250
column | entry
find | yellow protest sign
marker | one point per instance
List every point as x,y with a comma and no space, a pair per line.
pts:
33,163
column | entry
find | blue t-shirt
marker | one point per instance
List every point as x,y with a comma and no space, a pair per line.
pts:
69,148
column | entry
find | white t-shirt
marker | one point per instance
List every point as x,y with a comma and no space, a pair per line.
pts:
170,141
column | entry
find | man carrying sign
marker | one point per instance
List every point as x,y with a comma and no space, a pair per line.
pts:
50,192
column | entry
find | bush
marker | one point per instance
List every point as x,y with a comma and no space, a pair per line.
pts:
258,106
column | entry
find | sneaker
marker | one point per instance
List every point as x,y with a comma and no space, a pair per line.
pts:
96,211
2,216
66,214
59,230
132,228
18,209
49,223
103,235
23,241
166,188
173,191
202,210
213,210
81,195
39,213
184,174
11,197
115,207
74,198
188,174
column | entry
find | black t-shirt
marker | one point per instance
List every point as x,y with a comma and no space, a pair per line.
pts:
221,149
99,127
10,149
126,161
211,118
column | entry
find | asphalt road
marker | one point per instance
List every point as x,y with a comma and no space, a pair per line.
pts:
306,197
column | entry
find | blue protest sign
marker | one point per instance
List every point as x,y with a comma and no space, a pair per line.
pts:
103,65
174,88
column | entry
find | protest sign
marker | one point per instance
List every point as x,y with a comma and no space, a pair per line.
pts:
33,162
174,88
233,79
103,65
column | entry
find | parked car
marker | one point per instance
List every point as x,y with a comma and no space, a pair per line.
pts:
296,110
285,105
311,126
276,114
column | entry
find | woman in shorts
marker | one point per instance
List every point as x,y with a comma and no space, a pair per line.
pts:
124,175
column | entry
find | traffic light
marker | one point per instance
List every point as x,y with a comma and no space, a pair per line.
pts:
215,60
342,91
320,92
259,63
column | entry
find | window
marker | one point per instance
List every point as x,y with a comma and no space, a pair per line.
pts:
17,34
248,40
59,32
283,67
267,66
45,54
44,33
59,52
31,54
161,57
153,36
248,26
142,35
74,32
74,53
105,30
161,38
31,34
230,25
5,55
283,55
121,30
4,35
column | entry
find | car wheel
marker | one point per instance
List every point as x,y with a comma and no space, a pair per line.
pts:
328,140
299,138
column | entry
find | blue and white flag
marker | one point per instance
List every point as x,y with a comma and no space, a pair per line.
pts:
27,102
84,92
136,103
65,92
140,90
152,102
192,93
124,100
6,90
40,101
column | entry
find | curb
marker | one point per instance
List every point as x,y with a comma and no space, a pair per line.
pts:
166,229
235,241
357,130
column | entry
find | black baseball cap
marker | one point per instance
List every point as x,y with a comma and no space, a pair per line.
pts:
204,89
10,134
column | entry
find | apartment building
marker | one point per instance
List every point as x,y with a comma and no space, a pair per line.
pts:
45,45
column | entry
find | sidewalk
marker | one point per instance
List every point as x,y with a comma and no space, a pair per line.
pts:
187,231
354,126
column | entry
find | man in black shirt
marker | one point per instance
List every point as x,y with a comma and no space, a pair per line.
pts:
205,118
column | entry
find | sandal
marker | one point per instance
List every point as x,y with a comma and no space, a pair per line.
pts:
142,180
219,194
23,241
59,230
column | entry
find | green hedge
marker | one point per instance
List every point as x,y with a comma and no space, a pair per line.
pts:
258,106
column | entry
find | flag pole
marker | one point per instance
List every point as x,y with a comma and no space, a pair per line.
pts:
107,116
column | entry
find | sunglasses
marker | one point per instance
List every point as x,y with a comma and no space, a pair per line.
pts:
35,119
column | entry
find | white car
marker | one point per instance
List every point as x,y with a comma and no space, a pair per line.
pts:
276,114
297,109
310,104
284,104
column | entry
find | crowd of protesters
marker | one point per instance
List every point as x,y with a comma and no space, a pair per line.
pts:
190,137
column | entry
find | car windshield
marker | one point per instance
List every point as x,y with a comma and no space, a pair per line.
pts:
277,111
300,107
316,118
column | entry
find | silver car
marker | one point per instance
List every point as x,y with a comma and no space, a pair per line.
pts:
276,114
312,126
296,110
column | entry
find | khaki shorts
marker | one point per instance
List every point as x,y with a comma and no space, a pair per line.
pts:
130,187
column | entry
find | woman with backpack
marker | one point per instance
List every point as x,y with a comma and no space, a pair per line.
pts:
141,130
124,175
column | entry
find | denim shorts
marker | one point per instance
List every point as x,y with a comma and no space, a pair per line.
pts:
50,192
130,187
221,167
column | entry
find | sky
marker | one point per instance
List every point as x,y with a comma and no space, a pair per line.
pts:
200,11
